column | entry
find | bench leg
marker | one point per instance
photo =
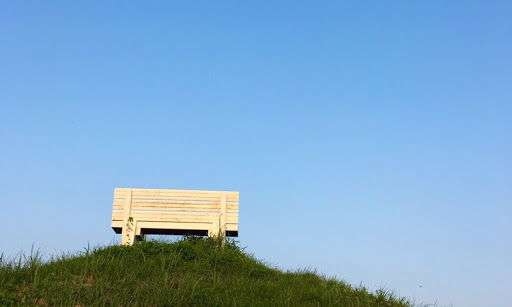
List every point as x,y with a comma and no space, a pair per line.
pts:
218,231
128,233
214,230
129,225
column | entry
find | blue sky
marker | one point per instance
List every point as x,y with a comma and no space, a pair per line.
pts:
369,140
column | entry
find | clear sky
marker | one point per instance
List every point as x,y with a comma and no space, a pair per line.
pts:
369,140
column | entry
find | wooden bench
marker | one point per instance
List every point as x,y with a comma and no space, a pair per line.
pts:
139,212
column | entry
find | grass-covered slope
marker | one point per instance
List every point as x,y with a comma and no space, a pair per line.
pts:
190,272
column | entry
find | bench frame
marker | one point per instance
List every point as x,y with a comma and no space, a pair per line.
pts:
139,212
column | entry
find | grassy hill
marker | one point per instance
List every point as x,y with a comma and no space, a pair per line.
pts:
190,272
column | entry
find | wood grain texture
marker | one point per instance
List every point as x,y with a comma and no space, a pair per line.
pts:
176,205
177,194
127,237
173,225
184,217
156,211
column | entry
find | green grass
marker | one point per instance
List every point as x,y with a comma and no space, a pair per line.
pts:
190,272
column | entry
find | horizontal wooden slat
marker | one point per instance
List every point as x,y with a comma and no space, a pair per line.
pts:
177,194
175,205
174,216
180,196
202,208
174,225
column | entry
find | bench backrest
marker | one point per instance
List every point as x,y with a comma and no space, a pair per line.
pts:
137,212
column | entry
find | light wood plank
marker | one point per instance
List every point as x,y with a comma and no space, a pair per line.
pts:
176,205
173,225
223,216
175,216
127,206
223,213
127,236
176,194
